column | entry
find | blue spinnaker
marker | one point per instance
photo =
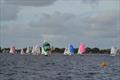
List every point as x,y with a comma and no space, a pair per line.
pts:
72,49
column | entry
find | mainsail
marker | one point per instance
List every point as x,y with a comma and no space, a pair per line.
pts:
113,51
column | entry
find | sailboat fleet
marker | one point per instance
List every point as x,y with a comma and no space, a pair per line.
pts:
46,50
35,50
70,50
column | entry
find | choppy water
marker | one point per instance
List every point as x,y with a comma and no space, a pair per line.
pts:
58,67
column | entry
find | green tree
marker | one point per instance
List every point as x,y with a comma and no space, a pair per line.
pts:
95,50
88,50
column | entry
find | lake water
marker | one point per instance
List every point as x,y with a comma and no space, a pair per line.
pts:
59,67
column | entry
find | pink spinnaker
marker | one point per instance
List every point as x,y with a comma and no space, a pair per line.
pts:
13,50
82,49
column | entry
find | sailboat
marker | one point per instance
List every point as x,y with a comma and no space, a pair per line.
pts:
37,50
22,51
82,49
70,50
118,51
46,48
66,52
113,51
33,50
12,50
29,50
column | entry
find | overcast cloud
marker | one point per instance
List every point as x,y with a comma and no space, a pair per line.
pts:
93,22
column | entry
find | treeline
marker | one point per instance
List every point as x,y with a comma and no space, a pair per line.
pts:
61,50
88,50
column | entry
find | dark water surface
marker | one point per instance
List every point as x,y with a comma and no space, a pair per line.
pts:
58,67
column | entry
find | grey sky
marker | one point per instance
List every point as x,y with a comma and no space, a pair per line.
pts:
93,22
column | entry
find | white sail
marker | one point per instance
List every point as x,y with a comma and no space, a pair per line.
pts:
66,52
37,49
22,51
113,51
33,50
29,50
